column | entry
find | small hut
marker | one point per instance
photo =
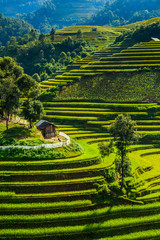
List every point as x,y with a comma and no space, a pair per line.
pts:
155,39
94,29
48,129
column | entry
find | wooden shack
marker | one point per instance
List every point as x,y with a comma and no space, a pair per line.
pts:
94,29
155,39
48,129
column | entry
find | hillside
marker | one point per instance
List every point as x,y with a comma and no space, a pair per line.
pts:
62,13
124,12
114,74
13,7
11,27
44,56
141,32
76,193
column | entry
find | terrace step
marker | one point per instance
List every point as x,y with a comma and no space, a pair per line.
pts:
42,187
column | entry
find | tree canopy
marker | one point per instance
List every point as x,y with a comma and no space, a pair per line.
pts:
124,132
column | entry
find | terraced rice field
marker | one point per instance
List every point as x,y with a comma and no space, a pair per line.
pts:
74,71
111,59
56,199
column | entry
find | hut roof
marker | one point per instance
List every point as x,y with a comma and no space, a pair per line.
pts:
42,124
155,39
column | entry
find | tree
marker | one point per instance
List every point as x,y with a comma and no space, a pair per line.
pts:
52,34
10,68
124,132
62,57
32,111
42,37
10,98
28,86
79,33
36,77
33,34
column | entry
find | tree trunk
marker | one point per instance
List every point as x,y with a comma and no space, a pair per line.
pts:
30,124
122,163
123,153
7,123
7,119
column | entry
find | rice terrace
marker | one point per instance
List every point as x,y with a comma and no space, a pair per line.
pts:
80,132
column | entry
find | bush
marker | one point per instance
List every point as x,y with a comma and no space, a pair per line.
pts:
31,154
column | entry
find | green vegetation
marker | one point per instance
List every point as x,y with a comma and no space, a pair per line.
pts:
71,192
61,13
124,132
117,13
12,28
14,85
141,33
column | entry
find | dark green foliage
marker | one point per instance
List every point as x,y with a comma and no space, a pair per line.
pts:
49,94
110,175
10,98
151,112
31,154
121,12
32,111
36,77
10,27
142,33
28,86
79,33
15,142
43,55
52,34
61,13
10,68
126,166
124,132
106,149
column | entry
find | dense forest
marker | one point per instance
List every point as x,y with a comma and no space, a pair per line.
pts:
142,33
40,54
121,12
62,13
11,27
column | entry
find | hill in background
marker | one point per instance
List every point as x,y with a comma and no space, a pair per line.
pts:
62,13
13,7
121,12
11,27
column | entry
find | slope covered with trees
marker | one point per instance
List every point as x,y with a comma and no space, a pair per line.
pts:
141,32
121,12
12,27
13,7
62,13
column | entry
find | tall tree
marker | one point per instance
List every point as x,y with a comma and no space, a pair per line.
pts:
52,34
32,111
124,132
10,98
79,33
28,86
10,68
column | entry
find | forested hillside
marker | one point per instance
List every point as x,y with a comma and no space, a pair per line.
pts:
13,7
121,12
142,32
62,13
10,27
